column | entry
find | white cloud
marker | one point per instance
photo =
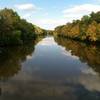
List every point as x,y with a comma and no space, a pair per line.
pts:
76,12
26,7
48,23
69,54
82,8
47,42
27,10
69,14
27,15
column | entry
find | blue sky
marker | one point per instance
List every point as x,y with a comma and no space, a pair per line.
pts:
50,13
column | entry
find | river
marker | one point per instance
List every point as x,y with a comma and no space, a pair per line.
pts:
50,69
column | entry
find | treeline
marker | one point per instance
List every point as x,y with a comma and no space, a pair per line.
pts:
14,30
86,29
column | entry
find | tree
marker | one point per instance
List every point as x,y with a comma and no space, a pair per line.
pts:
91,31
88,28
13,29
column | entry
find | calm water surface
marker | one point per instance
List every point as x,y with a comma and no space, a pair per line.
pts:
50,69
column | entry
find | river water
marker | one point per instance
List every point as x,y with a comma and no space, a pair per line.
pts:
50,69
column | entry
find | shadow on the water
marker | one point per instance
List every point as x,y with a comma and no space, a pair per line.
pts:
12,57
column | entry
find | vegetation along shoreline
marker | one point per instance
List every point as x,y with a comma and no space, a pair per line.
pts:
17,31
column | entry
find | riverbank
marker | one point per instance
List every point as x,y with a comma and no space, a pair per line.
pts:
87,29
16,31
79,40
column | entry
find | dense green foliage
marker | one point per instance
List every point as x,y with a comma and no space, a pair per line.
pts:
87,29
14,30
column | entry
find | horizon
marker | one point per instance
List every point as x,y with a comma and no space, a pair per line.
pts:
50,14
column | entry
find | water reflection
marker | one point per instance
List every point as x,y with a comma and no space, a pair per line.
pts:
48,71
86,53
11,58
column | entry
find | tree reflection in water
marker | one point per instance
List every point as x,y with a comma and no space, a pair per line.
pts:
12,57
86,53
30,83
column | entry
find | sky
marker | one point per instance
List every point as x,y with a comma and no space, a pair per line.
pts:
49,14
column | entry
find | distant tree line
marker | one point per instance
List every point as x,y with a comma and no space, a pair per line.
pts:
14,30
86,29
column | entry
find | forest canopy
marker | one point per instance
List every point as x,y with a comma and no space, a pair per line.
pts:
14,30
86,29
